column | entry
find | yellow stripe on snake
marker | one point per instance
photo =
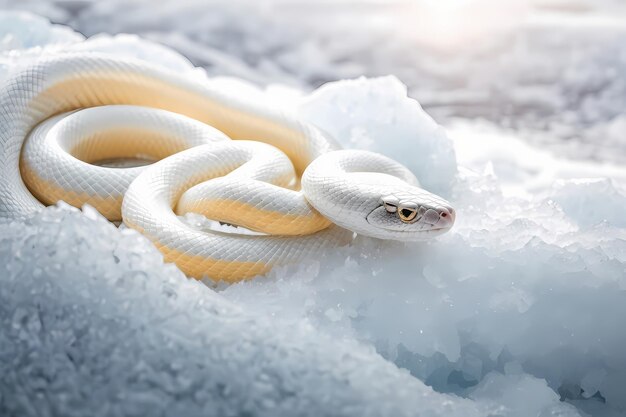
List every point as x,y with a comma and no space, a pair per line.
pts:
227,157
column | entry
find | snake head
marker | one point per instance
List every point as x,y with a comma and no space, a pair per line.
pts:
413,215
373,195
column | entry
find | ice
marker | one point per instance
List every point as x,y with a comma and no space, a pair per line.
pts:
518,311
591,201
545,402
375,114
102,324
23,30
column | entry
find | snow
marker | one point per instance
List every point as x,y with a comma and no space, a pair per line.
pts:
375,114
552,69
517,311
119,331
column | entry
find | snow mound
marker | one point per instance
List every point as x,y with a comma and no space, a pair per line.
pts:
91,318
24,30
516,312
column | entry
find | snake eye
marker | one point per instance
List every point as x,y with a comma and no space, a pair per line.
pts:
390,203
406,215
407,212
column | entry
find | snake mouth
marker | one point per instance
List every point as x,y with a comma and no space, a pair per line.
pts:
425,232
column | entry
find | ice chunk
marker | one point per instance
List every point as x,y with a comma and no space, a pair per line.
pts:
536,398
592,201
376,114
25,30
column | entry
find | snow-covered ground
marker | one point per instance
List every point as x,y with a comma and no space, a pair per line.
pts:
518,311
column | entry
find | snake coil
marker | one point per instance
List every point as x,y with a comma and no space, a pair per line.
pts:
229,158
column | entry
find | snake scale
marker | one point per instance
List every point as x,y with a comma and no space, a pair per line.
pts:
230,158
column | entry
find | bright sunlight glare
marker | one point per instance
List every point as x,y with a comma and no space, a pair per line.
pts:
453,24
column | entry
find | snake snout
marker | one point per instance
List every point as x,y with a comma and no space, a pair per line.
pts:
441,218
445,217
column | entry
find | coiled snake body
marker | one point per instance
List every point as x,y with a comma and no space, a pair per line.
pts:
230,158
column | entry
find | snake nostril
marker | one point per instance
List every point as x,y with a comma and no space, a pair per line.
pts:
447,214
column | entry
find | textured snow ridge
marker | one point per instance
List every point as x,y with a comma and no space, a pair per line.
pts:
91,319
518,311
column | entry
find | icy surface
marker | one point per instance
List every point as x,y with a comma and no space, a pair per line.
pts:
518,311
118,330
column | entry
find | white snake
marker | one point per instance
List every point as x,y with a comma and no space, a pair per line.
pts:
62,117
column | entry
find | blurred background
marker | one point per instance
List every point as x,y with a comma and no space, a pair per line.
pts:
553,70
